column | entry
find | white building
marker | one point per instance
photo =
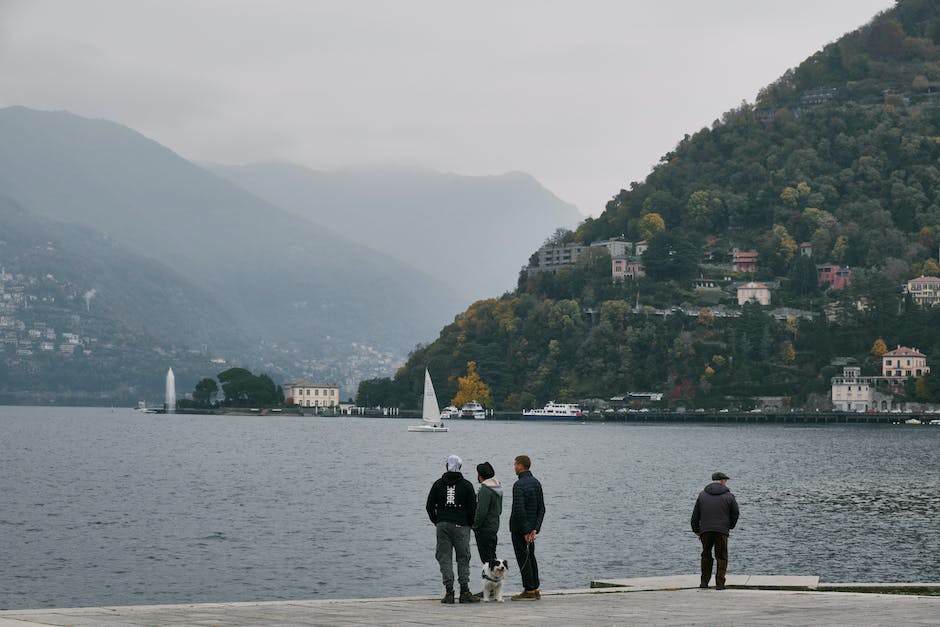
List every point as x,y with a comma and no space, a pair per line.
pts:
308,394
924,290
853,392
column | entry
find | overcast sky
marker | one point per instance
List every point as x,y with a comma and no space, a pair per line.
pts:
584,95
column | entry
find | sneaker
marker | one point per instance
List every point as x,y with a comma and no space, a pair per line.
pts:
528,595
448,597
704,586
468,597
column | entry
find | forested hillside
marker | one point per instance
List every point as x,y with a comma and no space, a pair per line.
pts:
840,155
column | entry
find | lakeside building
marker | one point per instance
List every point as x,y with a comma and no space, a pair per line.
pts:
924,290
854,392
904,362
309,394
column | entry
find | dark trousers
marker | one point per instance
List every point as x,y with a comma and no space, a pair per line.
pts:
486,545
718,542
525,557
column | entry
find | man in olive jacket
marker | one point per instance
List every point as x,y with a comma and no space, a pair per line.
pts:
489,508
451,506
714,516
525,523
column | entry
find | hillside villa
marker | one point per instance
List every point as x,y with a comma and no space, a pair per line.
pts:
924,290
754,293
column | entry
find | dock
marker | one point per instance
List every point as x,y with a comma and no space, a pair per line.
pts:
676,600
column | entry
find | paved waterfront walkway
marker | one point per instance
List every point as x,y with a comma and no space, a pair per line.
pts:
660,601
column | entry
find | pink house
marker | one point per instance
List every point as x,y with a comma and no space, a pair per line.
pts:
623,268
904,362
754,292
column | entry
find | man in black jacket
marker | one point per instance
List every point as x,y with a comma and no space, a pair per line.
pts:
714,516
451,506
525,523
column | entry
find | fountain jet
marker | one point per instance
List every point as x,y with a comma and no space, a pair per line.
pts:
170,403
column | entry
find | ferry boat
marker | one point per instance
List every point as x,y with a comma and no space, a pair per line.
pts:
554,411
474,410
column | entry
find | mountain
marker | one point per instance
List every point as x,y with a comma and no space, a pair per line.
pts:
122,319
834,166
471,232
306,298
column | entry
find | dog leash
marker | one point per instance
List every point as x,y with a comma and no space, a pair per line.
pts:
528,554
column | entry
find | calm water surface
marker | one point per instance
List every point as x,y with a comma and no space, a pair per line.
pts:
105,507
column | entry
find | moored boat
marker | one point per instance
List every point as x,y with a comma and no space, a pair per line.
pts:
474,410
554,411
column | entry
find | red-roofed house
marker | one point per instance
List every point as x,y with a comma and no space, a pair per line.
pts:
753,292
904,362
744,260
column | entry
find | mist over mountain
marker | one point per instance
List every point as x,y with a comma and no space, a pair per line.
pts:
295,289
473,233
84,320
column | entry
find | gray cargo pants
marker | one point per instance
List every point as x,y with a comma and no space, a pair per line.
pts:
453,538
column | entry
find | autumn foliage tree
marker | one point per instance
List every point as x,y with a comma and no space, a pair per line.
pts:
472,388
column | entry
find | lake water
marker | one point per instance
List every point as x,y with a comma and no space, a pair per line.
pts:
104,507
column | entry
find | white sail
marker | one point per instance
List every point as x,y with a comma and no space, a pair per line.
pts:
431,411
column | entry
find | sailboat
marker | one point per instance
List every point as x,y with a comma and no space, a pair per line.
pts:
430,410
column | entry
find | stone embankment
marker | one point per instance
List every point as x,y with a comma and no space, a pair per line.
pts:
749,600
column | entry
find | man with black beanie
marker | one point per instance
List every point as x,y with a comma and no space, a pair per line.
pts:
489,508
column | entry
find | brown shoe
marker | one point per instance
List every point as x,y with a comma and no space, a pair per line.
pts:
528,595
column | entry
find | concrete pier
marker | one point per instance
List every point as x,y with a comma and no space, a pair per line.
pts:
757,600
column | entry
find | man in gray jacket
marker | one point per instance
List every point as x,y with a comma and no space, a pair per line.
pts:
714,516
489,508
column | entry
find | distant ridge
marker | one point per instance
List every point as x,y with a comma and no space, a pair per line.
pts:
471,232
301,293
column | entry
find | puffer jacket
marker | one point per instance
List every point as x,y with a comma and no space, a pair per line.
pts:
716,510
528,505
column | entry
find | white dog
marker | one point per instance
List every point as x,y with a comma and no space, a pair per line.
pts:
494,572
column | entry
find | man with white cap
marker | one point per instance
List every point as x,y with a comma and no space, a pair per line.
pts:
451,506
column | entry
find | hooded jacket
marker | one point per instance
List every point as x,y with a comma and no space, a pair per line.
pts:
715,510
528,505
452,499
489,506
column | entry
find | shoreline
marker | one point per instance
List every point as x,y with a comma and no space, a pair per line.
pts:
675,600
